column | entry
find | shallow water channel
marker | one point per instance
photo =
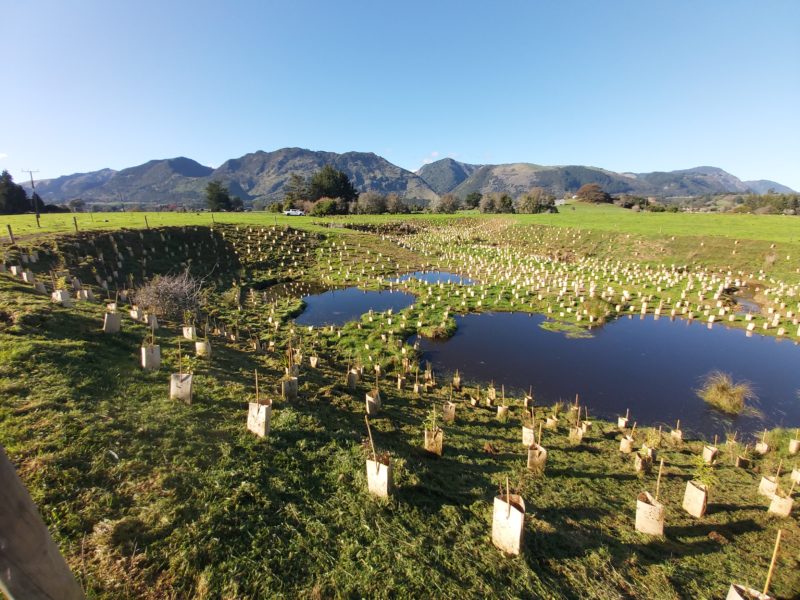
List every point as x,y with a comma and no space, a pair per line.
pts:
651,366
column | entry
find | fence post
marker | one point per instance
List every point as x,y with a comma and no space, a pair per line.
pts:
30,564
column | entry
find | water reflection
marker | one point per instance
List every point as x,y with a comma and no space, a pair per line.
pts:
652,366
337,307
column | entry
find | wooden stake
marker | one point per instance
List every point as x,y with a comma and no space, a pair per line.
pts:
180,363
11,235
772,562
540,433
31,564
508,500
371,443
658,481
257,400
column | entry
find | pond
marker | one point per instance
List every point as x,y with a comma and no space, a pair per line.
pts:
290,289
435,277
651,366
337,307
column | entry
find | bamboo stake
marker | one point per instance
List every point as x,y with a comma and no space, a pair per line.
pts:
508,500
658,481
540,433
257,400
180,363
772,562
371,443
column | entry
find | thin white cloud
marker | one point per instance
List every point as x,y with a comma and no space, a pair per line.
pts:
3,155
432,157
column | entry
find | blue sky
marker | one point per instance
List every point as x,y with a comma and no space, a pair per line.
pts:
625,85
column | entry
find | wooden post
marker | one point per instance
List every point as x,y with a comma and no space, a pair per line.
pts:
508,500
146,224
11,235
38,224
30,564
75,223
772,562
371,443
658,481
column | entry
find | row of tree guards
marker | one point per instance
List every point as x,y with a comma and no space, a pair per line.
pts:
650,513
509,508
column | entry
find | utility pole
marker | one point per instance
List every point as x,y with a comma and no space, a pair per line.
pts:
33,194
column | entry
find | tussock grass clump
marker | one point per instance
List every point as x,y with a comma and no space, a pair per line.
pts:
720,391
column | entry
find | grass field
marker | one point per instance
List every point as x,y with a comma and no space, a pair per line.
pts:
152,498
772,228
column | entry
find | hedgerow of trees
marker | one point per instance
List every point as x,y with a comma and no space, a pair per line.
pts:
593,192
537,200
14,198
218,198
496,202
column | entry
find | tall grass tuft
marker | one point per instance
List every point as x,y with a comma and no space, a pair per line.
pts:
720,391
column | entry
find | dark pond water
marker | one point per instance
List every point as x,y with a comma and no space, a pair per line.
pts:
337,307
651,366
291,289
436,277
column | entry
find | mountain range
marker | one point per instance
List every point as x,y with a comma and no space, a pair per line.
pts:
263,175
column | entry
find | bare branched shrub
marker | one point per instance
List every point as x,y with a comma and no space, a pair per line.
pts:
171,296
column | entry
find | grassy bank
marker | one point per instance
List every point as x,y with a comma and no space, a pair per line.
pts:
149,497
152,498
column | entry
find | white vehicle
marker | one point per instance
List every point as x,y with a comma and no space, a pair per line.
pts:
294,212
